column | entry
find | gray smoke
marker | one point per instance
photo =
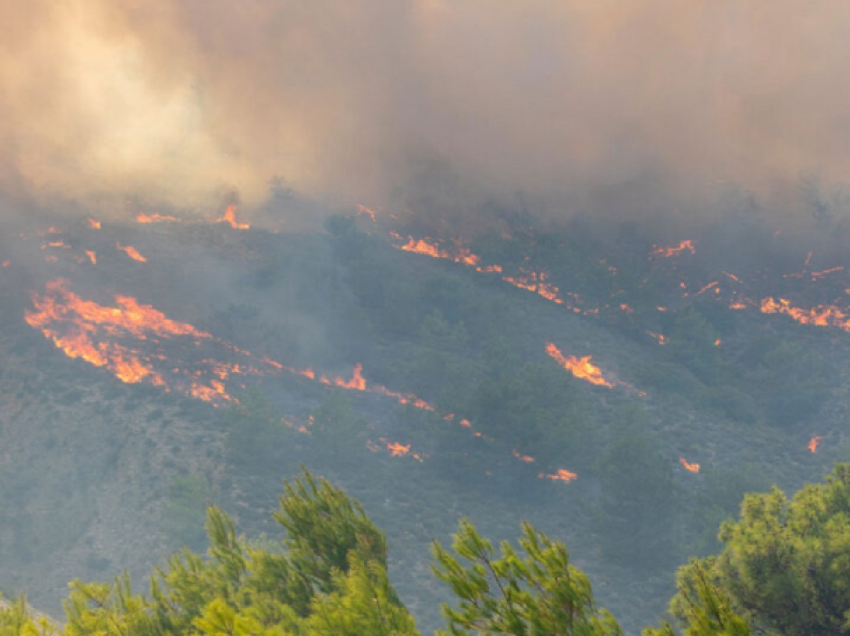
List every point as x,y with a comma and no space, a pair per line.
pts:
602,105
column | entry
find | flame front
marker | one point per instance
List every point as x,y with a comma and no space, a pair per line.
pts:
97,334
579,367
694,468
560,475
229,216
673,250
813,443
155,218
132,252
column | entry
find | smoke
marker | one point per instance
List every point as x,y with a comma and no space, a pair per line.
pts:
625,106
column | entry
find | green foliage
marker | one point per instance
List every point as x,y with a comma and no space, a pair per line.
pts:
786,563
692,343
184,511
638,499
324,526
703,609
789,381
538,594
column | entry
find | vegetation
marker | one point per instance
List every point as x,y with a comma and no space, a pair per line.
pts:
784,570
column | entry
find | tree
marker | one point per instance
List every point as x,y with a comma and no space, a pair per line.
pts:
539,594
786,563
326,576
703,608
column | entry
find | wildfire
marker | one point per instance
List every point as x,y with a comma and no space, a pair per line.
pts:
362,209
694,468
395,449
660,338
674,250
813,443
821,315
132,252
97,334
95,225
92,256
579,367
230,217
560,475
523,458
155,218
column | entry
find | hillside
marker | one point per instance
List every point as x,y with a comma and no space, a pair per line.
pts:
411,368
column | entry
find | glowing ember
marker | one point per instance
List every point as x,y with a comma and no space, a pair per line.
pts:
132,252
660,338
95,225
92,256
155,218
821,315
666,252
362,209
230,217
560,475
579,367
523,458
813,443
694,468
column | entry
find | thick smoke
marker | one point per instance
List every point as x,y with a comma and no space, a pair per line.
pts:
629,106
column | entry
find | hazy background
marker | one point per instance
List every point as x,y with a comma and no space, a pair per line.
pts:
614,106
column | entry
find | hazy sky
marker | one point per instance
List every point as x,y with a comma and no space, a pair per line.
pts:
186,99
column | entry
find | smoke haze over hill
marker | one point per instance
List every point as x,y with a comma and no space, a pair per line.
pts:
626,107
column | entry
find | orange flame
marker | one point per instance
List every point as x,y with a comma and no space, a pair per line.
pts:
523,458
659,337
362,209
84,329
560,475
155,218
665,252
95,225
230,217
132,252
579,367
694,468
92,256
821,315
813,443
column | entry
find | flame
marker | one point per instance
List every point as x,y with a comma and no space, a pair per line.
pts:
560,475
523,458
813,443
694,468
579,367
92,256
718,342
362,209
659,337
155,218
95,225
132,252
820,315
396,449
230,217
96,333
666,252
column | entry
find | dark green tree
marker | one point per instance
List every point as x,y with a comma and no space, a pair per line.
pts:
536,594
785,564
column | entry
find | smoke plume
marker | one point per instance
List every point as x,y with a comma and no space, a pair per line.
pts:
603,104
